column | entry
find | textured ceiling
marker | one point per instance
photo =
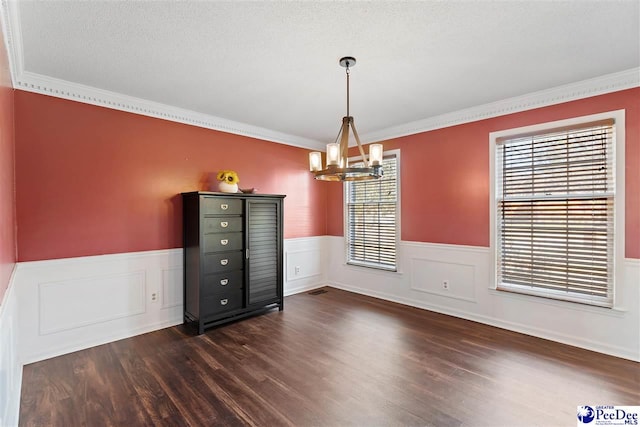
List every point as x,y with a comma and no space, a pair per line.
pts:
274,65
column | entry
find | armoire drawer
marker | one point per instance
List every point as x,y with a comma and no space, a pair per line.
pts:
222,224
222,302
221,206
220,262
222,242
222,282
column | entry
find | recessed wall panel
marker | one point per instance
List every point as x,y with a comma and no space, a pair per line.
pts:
74,303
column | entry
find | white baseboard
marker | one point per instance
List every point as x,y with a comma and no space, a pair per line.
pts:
624,353
469,295
305,288
10,366
75,303
70,304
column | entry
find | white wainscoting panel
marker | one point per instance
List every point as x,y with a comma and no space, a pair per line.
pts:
171,294
304,264
423,265
447,279
10,366
75,303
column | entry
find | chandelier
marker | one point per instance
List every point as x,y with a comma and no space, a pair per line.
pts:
337,165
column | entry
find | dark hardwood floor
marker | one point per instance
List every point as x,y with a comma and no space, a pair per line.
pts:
334,359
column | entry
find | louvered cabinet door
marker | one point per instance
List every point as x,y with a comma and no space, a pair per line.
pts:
264,244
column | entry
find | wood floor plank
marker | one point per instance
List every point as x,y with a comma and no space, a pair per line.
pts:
157,405
332,359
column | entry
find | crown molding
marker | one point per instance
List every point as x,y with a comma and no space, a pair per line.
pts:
583,89
32,82
37,83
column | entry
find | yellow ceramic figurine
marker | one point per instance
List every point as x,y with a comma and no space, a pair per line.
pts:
228,181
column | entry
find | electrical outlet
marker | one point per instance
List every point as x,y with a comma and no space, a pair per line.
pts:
297,270
445,285
154,297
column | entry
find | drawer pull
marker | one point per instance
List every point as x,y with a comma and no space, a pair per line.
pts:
224,282
224,301
224,206
224,242
224,261
224,224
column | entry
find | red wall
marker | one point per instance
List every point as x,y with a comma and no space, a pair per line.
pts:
92,180
7,177
445,174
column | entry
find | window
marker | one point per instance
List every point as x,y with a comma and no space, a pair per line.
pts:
372,218
555,198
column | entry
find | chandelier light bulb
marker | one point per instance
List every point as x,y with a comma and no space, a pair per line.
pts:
375,154
333,155
315,161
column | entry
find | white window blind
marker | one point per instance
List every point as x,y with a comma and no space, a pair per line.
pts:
371,212
555,198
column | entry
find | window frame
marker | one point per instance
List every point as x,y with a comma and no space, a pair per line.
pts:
618,160
386,154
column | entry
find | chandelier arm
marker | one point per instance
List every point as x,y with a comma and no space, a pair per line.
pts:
344,142
338,135
355,134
